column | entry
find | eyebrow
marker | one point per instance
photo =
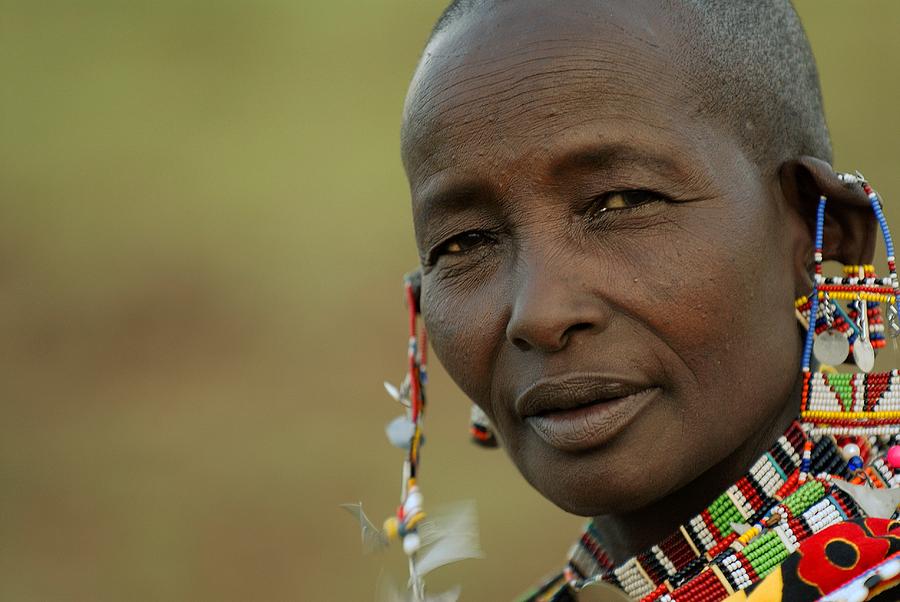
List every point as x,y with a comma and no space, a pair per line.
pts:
449,200
455,197
612,155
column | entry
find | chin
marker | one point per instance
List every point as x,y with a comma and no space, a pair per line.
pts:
594,486
599,501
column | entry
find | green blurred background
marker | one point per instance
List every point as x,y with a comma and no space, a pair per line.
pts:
204,224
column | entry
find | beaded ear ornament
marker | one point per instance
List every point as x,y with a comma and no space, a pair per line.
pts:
429,541
480,429
861,410
844,334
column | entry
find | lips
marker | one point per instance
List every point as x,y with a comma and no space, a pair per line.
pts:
582,411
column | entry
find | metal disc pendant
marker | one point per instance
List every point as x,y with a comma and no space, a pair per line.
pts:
863,355
831,347
894,320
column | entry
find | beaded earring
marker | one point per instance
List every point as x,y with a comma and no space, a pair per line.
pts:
837,330
480,429
429,541
861,410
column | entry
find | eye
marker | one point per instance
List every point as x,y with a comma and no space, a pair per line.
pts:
624,199
459,244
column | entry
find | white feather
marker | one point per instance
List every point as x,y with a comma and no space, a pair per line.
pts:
387,592
372,538
450,535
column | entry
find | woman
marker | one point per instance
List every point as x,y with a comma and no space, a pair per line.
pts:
615,206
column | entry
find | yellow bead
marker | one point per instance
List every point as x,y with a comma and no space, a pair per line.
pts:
748,535
824,415
414,521
391,528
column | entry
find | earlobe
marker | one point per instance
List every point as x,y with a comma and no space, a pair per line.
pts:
414,279
850,226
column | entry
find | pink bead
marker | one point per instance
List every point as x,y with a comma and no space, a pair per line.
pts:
893,457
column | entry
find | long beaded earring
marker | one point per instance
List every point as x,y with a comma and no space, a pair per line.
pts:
861,410
428,541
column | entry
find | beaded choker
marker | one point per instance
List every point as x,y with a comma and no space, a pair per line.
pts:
740,537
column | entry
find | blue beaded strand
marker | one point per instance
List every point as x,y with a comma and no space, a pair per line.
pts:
814,309
882,221
875,201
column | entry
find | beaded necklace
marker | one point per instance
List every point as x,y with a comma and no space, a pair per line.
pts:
742,535
706,558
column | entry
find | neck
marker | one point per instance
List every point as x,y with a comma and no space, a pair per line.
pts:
625,535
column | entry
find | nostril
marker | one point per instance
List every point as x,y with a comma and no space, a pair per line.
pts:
564,339
521,344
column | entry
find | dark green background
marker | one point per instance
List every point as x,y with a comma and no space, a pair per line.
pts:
204,223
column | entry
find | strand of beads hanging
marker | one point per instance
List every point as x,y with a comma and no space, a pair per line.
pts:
429,541
864,275
406,433
410,513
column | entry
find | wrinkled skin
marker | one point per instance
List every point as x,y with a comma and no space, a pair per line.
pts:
521,125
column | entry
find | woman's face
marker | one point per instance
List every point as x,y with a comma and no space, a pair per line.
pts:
606,274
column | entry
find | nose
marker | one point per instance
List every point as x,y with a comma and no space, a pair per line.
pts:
554,301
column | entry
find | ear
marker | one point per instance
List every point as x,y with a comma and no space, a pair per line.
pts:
850,224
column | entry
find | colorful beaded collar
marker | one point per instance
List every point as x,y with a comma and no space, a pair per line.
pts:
772,509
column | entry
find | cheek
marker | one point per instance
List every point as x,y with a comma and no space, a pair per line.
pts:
741,291
721,305
722,302
465,328
721,278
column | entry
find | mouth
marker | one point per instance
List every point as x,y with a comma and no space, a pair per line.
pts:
580,412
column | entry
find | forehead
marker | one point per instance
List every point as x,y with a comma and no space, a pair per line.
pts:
516,80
